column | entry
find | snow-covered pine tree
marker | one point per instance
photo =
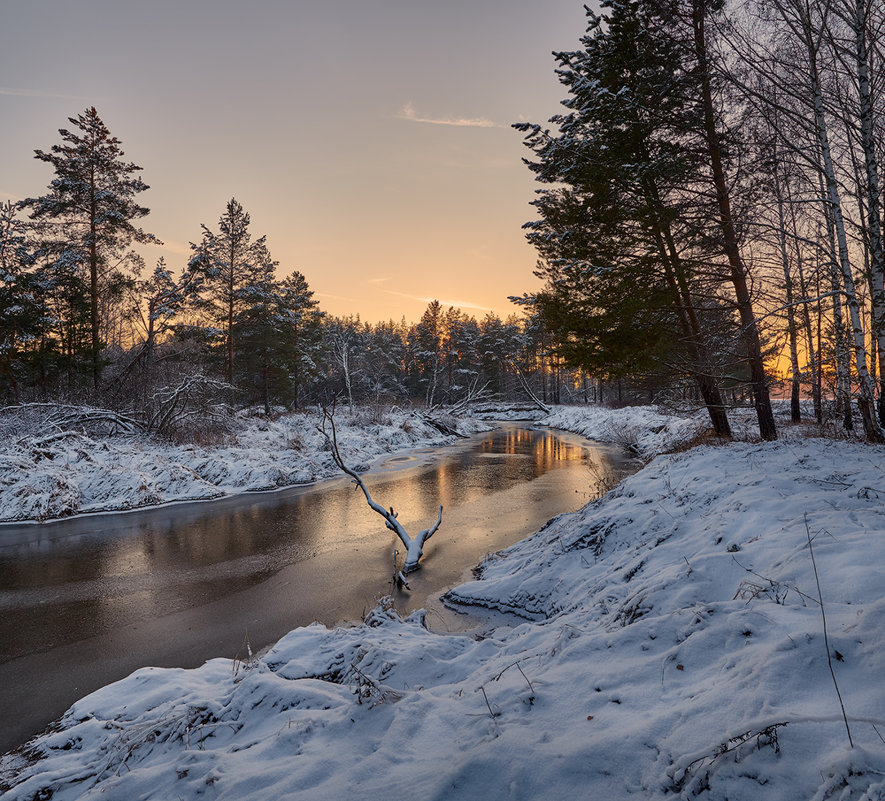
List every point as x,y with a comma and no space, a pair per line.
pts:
386,357
225,270
427,350
300,334
23,315
620,234
256,328
461,352
87,218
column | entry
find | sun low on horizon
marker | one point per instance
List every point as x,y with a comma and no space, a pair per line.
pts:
370,142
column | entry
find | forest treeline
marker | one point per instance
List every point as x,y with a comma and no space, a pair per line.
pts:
710,206
712,198
84,321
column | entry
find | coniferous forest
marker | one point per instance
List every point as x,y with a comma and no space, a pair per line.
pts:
86,321
709,225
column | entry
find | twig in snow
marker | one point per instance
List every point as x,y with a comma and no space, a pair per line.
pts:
774,584
519,668
493,715
823,615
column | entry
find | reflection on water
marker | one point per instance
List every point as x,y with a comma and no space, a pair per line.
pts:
121,567
272,561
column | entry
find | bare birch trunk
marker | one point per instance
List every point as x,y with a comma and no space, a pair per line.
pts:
795,410
813,353
858,20
866,401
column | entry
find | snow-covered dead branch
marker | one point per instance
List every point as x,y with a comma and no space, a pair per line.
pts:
414,546
64,418
523,382
439,425
192,397
475,394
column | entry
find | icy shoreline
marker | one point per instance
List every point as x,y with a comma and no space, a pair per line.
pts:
86,473
674,647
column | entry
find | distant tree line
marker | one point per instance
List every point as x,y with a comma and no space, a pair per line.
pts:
83,320
712,198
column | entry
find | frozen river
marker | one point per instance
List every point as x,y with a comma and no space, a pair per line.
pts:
86,601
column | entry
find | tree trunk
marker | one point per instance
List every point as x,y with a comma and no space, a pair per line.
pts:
296,369
93,280
795,410
843,368
813,352
874,225
866,401
701,368
229,360
750,330
265,389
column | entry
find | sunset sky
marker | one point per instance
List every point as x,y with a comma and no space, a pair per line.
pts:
369,140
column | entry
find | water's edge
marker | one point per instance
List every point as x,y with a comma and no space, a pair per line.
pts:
169,599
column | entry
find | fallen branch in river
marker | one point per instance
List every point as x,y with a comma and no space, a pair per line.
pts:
414,545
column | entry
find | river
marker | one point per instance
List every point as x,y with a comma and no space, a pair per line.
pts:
86,601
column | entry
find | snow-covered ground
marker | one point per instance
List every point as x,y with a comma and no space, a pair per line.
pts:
645,430
666,640
48,473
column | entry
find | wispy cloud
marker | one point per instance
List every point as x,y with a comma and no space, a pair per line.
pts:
378,280
458,304
171,246
9,92
334,297
407,112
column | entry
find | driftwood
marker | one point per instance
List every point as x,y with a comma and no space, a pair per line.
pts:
439,425
414,545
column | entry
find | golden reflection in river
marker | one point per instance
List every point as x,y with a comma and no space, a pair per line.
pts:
547,450
445,483
203,546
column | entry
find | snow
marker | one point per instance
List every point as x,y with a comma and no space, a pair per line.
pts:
644,430
665,640
75,472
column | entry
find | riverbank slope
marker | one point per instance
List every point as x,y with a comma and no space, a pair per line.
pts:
664,640
47,472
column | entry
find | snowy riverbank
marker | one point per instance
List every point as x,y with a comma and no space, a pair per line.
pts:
665,640
46,473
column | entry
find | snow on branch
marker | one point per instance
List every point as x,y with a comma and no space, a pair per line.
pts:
414,546
523,382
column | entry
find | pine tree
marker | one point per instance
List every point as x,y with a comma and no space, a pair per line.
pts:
224,270
427,350
461,354
87,217
256,329
619,234
386,358
23,315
